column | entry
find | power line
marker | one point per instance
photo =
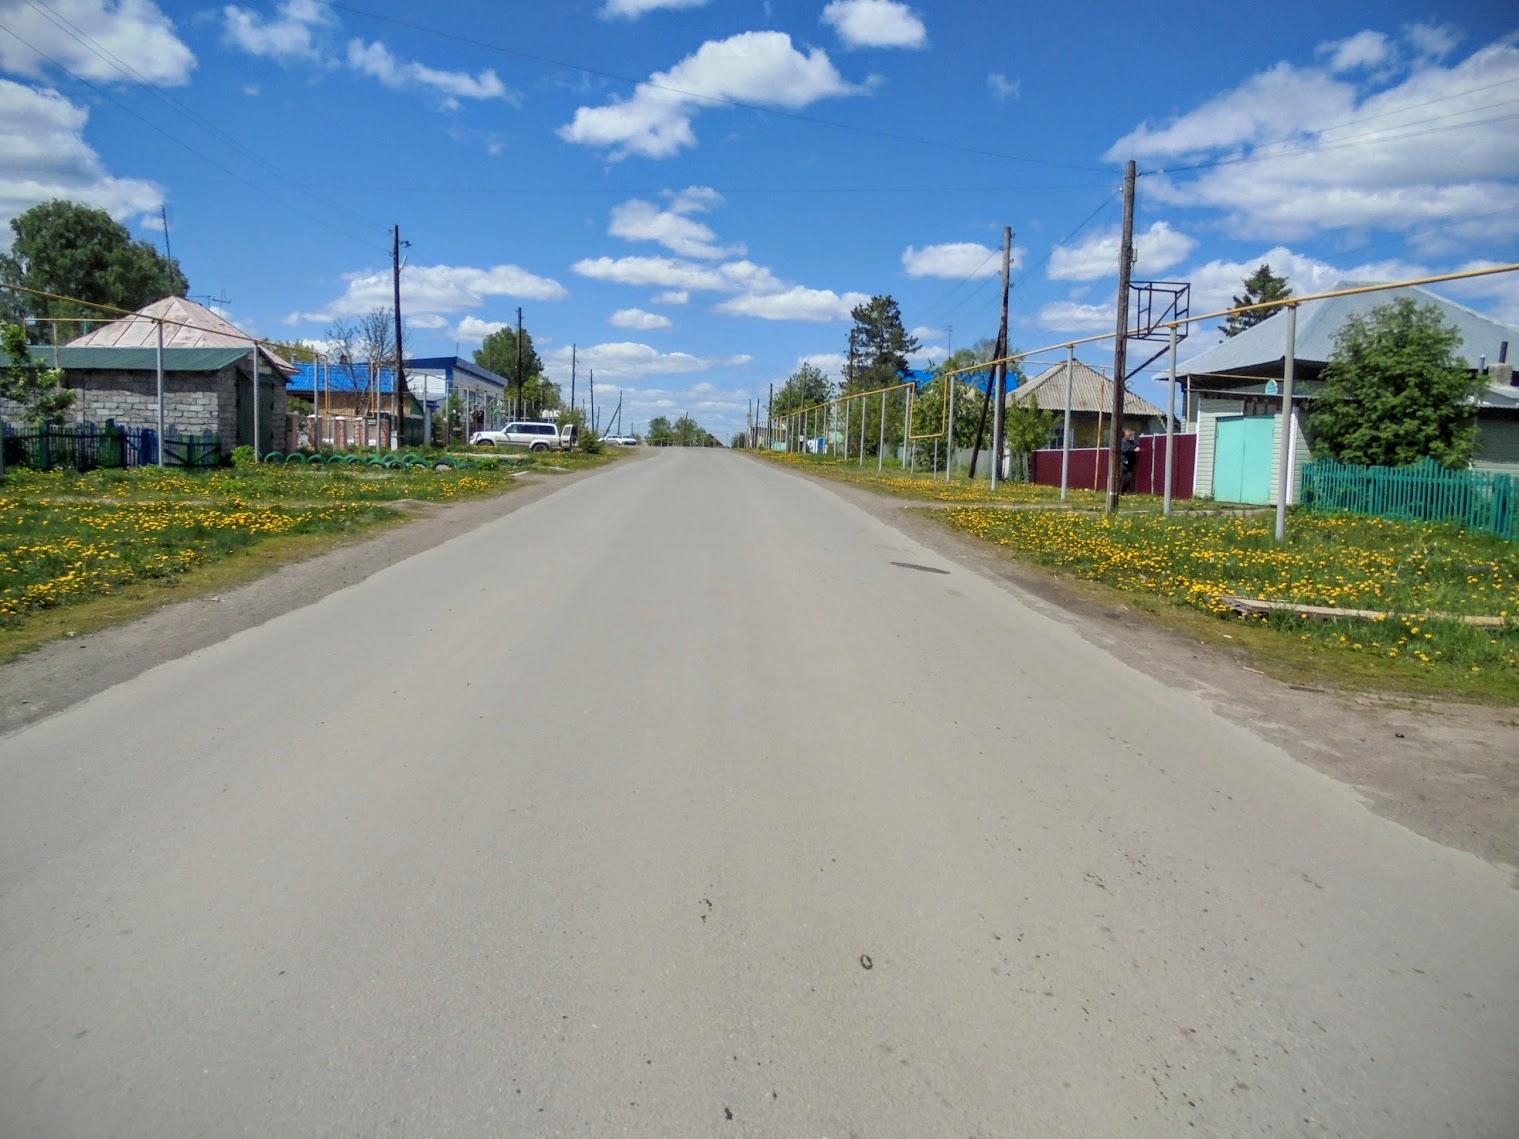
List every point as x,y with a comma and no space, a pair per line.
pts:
105,54
714,100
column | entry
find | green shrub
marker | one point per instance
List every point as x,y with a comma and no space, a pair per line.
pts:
243,456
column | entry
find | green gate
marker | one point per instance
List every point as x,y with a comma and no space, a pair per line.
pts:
1242,458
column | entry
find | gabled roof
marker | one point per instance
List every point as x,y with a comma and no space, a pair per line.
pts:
72,359
186,325
1264,344
1091,392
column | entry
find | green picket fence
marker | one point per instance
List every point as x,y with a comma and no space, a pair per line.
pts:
1426,491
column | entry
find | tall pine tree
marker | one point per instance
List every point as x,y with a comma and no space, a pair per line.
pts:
879,346
1260,287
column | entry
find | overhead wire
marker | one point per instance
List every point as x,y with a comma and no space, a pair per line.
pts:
713,100
110,58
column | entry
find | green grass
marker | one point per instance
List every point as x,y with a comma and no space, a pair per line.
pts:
68,539
1410,570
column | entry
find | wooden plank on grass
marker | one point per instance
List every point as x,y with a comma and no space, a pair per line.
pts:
1260,607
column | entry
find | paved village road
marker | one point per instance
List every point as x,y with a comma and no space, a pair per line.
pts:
666,806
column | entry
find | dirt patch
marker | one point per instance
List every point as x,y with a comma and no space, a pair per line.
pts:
1444,769
64,672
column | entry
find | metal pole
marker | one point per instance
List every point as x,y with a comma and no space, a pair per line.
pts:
256,453
1170,427
1065,437
160,393
881,445
864,404
949,438
909,453
1284,446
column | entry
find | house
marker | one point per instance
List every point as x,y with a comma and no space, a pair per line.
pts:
1234,399
1091,405
211,370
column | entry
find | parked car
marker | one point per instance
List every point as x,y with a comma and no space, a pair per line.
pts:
621,440
535,434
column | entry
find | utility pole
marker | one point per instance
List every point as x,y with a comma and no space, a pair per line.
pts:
770,417
1121,345
572,377
999,414
521,406
593,400
400,394
163,214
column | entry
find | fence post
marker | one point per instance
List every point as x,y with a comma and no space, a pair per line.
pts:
1170,426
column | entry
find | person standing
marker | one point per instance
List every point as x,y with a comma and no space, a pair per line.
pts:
1128,460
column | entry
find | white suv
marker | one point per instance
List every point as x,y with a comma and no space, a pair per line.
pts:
528,433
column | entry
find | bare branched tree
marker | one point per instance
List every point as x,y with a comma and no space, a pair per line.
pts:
344,364
377,340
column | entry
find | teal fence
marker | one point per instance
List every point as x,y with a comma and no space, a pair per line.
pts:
1478,500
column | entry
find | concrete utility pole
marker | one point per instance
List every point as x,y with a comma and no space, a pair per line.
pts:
399,434
521,407
572,377
1121,346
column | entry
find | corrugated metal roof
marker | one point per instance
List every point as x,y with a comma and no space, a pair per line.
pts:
193,326
1091,391
142,359
1264,344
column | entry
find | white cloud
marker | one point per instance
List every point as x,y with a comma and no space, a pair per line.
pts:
795,303
1069,316
1432,42
43,156
1003,88
956,260
473,330
1156,250
428,290
673,273
658,272
671,297
292,35
924,332
376,61
136,32
632,9
1300,151
875,23
1362,51
756,68
638,220
829,363
637,320
628,361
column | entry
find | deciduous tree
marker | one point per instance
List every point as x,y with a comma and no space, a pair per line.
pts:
81,253
1396,391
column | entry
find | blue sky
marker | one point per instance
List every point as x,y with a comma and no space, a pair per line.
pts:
695,193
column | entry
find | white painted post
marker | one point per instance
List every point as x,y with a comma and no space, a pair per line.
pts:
1170,427
1065,439
881,444
949,440
160,393
256,453
1284,474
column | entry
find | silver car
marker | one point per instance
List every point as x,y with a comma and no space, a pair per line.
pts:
537,435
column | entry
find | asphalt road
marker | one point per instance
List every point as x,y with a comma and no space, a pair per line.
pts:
691,800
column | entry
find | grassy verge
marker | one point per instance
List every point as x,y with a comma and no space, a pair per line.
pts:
108,541
1342,561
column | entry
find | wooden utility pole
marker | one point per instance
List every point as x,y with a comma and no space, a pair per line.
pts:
1121,344
572,377
400,425
999,414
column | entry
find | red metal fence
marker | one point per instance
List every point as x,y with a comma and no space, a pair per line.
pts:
1089,466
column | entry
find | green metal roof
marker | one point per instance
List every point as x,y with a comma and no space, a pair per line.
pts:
140,359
